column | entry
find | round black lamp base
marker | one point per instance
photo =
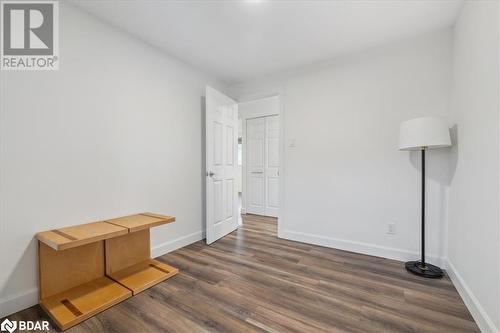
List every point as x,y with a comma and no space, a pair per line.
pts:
429,271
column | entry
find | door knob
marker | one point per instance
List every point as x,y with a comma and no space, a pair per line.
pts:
210,174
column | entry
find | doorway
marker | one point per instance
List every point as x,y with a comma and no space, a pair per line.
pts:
260,172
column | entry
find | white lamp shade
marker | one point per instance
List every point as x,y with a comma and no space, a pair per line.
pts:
426,132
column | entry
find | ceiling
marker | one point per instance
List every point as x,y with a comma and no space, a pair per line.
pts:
237,41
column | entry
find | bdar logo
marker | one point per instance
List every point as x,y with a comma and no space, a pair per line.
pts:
8,326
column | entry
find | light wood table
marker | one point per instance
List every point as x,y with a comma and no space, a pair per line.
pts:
88,268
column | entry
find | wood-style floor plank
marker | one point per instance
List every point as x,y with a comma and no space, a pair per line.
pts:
251,281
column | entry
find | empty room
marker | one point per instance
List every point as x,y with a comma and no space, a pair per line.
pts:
250,166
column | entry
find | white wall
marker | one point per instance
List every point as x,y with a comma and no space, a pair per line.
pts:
474,258
254,108
117,130
344,180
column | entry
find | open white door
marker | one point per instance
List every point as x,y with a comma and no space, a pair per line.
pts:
222,167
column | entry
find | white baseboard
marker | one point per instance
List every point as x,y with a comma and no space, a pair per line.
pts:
21,301
177,243
359,247
486,325
18,302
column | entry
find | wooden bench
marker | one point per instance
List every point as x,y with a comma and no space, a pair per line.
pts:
87,268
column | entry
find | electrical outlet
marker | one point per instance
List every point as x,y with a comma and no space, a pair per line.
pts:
391,228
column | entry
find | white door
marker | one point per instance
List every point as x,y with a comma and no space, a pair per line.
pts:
222,167
272,165
263,166
256,153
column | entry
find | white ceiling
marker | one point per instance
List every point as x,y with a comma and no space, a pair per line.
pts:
241,40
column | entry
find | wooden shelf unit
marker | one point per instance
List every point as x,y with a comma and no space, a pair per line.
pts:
143,275
88,268
128,259
82,302
78,235
141,221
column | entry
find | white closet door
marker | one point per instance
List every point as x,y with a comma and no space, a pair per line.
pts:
256,154
272,165
263,166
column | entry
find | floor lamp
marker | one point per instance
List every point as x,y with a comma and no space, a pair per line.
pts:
423,134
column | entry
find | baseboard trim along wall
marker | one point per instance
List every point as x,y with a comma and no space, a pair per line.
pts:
18,302
359,247
482,319
29,298
177,243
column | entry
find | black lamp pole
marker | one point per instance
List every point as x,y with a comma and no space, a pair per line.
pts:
422,268
423,209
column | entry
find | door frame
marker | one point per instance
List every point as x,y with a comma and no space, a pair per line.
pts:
245,98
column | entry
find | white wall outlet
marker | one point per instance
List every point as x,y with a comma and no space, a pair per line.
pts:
391,228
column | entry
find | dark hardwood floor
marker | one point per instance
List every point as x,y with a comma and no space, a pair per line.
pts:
250,281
